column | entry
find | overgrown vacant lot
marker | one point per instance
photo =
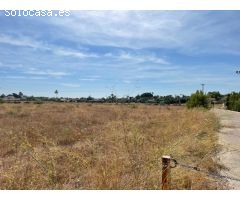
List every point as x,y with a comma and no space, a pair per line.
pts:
84,146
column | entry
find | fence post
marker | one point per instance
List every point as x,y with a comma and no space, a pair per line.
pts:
166,170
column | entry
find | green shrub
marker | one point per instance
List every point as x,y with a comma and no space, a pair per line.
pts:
233,101
198,99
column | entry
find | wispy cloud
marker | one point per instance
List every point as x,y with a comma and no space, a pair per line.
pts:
21,41
139,57
37,78
188,31
127,81
29,42
72,85
11,66
15,77
88,79
77,54
34,71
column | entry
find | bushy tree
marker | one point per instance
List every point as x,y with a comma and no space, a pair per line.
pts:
112,98
15,95
233,101
215,94
147,95
198,99
169,99
89,98
56,93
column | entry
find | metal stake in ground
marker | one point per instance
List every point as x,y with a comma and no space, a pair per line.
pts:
166,170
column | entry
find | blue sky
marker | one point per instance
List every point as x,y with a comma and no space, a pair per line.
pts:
125,52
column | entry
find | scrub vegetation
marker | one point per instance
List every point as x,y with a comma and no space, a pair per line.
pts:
104,146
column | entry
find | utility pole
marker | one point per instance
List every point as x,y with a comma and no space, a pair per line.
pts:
203,87
180,99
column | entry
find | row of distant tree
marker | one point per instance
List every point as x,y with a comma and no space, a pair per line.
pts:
197,99
147,97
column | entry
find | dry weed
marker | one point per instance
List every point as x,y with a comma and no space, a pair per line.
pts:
81,146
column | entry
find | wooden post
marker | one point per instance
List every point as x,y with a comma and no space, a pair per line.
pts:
166,170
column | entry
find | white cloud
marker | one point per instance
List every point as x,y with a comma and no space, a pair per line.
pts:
123,29
88,79
38,78
196,80
127,81
186,31
15,77
67,52
12,66
72,85
35,71
29,42
21,41
139,58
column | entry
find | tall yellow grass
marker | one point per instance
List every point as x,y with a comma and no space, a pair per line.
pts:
90,146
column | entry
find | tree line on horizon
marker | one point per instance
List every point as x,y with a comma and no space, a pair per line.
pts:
197,99
146,97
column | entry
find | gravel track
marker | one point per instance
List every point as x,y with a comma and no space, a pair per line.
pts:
229,138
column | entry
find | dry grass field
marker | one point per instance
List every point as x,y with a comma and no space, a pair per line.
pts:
104,146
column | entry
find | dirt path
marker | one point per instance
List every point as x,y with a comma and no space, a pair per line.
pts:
229,138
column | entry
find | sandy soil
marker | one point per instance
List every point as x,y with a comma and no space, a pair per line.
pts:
229,138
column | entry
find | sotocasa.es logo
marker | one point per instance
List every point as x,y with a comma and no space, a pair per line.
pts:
37,13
